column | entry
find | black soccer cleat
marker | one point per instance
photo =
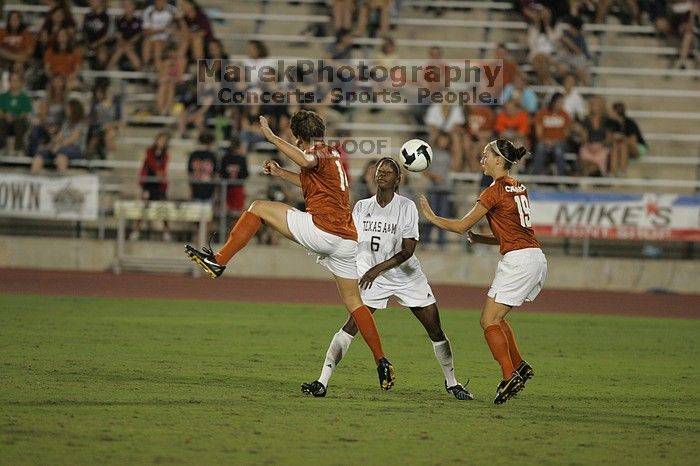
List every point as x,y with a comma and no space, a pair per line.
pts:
314,388
525,371
460,392
508,388
206,259
386,374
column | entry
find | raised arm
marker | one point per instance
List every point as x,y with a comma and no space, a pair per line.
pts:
456,225
293,153
408,246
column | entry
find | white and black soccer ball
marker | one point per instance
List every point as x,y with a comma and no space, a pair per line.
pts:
416,155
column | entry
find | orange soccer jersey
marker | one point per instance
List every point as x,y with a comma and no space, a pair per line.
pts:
327,193
509,214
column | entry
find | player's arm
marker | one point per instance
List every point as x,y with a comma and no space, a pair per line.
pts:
408,247
296,155
483,239
272,168
456,225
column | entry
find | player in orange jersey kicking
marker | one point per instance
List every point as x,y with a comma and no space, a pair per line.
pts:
523,268
326,228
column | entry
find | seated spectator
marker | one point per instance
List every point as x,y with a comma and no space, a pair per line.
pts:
510,66
542,40
574,104
15,111
366,186
440,184
58,18
367,7
169,75
63,58
552,126
16,43
197,106
101,63
619,149
95,29
596,139
195,30
636,145
478,131
342,14
513,123
340,53
631,14
105,122
158,22
574,49
68,144
201,167
49,115
523,94
234,169
129,34
446,118
153,179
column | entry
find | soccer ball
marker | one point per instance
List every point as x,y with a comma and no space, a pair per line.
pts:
416,155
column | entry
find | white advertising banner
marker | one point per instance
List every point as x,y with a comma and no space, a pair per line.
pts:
646,217
52,198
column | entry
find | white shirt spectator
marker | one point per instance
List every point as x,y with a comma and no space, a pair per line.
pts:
154,19
435,117
575,106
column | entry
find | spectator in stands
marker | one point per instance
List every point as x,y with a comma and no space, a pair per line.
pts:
96,25
552,126
440,184
169,75
636,145
105,121
619,149
215,50
63,58
201,167
339,53
690,33
574,48
574,104
342,14
380,7
523,94
158,22
234,169
478,131
596,139
257,58
510,66
153,179
129,34
16,43
15,111
68,144
448,118
58,18
198,108
542,42
366,185
49,116
195,30
513,123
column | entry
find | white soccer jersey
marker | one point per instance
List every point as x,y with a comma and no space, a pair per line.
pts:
380,232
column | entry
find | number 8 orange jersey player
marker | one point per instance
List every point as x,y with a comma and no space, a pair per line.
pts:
326,228
523,268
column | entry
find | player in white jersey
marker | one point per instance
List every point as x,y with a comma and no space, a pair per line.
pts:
387,227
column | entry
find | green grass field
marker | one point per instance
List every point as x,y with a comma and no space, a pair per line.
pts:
87,381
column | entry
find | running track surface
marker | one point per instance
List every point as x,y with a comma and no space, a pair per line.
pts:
172,286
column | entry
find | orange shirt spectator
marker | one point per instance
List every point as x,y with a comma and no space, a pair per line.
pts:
553,125
16,40
480,119
512,120
63,58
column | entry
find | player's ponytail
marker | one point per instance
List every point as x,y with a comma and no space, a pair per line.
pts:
505,149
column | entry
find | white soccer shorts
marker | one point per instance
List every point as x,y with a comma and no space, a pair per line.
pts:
416,293
519,276
335,253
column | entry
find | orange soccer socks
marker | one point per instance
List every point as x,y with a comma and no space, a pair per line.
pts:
245,228
498,344
365,323
515,357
